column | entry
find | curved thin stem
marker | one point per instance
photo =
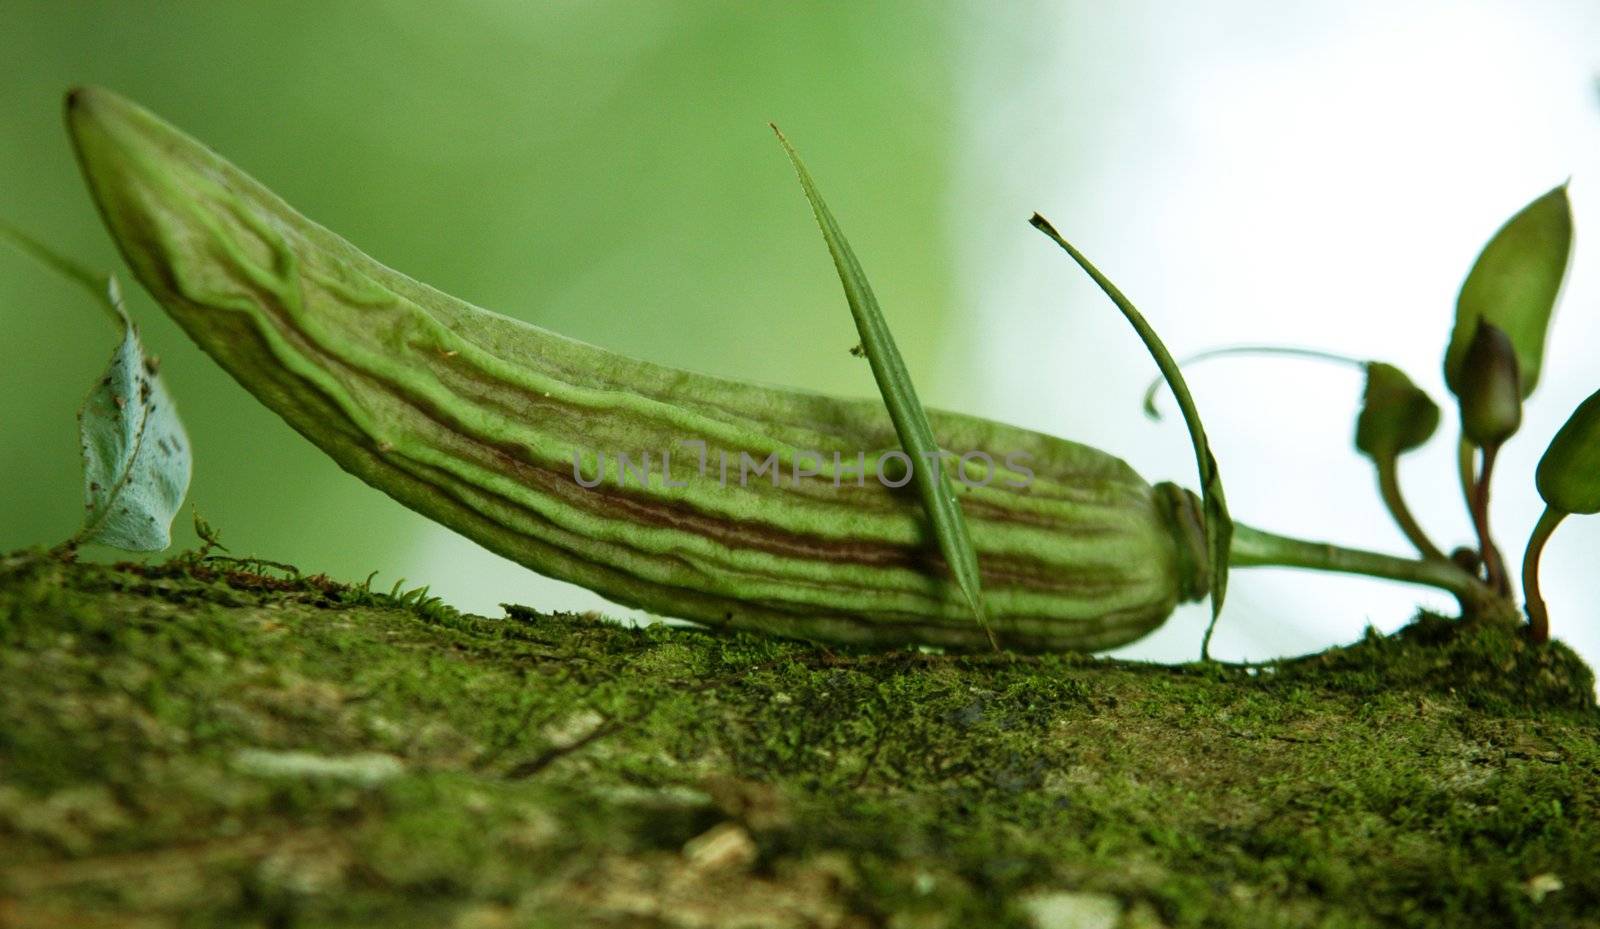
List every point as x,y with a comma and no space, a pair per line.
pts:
1287,351
1257,548
102,286
1538,616
1389,489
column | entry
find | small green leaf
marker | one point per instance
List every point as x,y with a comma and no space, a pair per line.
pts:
1219,524
1396,415
136,463
1568,477
1514,285
894,383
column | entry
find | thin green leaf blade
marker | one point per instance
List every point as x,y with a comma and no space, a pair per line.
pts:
905,410
136,460
1514,285
1219,524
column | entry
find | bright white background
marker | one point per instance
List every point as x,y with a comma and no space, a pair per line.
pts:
1310,174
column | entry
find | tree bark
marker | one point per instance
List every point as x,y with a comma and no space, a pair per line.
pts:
221,742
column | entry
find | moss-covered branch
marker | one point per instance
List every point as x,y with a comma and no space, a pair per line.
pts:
202,743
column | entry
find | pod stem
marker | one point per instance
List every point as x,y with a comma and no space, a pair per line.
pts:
1538,616
1389,489
1254,548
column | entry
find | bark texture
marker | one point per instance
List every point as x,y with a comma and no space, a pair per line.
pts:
221,742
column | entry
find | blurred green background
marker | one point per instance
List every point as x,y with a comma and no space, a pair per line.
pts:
1248,171
603,169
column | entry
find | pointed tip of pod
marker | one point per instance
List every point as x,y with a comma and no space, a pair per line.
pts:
125,155
168,200
103,123
83,100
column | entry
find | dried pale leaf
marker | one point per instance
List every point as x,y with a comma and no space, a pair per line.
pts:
136,462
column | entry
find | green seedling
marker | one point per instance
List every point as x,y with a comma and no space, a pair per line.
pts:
1568,478
1396,417
1492,364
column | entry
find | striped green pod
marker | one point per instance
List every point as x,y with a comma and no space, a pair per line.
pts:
494,428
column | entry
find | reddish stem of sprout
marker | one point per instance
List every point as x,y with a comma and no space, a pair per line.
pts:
1538,616
1494,565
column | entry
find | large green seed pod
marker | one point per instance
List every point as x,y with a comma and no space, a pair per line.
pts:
493,427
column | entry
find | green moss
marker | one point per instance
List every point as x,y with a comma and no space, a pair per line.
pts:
222,743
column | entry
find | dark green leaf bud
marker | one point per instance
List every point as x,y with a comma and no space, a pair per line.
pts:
1569,473
1396,415
1490,387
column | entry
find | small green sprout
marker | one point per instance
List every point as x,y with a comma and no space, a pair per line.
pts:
1568,478
1492,364
1489,389
1496,349
1396,417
